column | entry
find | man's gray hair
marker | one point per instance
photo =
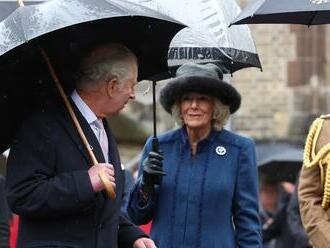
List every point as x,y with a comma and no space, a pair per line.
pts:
104,63
220,114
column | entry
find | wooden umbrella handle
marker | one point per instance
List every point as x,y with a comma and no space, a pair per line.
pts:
107,184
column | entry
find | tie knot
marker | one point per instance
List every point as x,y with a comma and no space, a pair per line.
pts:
99,124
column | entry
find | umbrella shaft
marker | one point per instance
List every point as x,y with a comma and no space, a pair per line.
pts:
154,107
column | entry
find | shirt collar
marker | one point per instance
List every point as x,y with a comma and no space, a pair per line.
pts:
83,107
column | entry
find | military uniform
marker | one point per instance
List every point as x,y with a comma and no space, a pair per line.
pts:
314,184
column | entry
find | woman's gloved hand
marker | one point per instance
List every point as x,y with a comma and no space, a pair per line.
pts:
152,171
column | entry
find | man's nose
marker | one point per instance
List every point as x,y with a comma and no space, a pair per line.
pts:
132,95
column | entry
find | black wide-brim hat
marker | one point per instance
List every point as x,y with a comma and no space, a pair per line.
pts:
204,79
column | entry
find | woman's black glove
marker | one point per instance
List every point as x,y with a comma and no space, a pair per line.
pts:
152,171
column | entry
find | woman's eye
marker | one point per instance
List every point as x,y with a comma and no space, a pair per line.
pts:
186,98
204,99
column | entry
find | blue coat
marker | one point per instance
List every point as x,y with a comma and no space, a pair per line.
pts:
209,200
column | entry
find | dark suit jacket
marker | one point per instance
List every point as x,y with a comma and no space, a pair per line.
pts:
294,223
278,229
49,187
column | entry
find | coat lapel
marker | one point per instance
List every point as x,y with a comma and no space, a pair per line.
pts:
114,157
68,124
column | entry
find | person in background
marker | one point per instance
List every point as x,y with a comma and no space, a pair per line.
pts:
201,188
294,223
275,231
268,194
51,182
314,184
4,216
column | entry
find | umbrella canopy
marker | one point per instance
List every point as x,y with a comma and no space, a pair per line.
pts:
308,12
7,7
208,38
66,29
279,161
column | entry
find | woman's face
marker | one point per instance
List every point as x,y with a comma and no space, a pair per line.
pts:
196,110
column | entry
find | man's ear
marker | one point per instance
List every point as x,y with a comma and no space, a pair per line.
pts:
112,86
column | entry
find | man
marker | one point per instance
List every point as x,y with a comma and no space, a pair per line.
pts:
294,224
284,228
314,184
268,195
52,184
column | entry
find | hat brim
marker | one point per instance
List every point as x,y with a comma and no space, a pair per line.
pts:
221,90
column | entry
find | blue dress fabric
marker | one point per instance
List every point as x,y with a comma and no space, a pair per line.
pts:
207,200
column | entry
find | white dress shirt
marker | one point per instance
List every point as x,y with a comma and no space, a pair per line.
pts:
92,120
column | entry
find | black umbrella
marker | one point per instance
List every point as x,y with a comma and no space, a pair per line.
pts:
65,29
308,12
279,161
54,35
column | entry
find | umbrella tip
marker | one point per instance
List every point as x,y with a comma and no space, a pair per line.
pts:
20,3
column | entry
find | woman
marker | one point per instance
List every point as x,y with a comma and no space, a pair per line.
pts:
208,197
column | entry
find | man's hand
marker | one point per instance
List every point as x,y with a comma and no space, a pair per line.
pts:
107,170
144,243
288,187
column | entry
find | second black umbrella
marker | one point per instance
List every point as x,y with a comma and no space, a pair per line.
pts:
307,12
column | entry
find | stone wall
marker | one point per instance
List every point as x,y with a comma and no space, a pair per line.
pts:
281,101
266,96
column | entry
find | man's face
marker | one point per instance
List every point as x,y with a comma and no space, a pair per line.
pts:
125,91
269,196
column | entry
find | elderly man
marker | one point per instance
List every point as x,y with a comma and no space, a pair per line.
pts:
52,184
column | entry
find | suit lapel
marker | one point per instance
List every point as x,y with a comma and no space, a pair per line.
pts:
68,124
114,157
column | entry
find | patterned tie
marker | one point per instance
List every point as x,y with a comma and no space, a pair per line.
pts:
103,138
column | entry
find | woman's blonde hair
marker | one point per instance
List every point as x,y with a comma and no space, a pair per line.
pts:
220,114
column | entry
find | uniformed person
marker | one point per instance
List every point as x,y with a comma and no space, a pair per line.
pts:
314,186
